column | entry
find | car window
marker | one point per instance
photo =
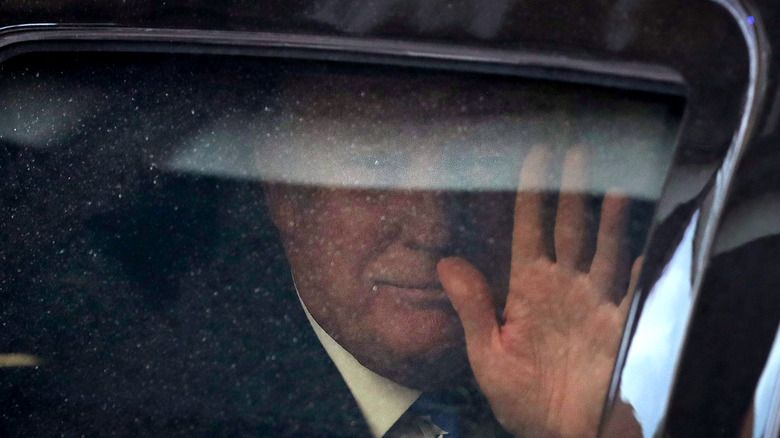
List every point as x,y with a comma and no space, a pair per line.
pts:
229,246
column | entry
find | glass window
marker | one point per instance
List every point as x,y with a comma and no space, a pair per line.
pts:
226,246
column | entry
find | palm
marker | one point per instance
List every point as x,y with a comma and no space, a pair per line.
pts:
545,370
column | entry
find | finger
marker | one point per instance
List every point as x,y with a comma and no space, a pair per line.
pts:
470,296
625,304
571,225
528,231
610,264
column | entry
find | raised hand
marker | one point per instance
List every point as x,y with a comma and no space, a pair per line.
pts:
546,368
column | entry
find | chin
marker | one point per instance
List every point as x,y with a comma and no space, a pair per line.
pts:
432,369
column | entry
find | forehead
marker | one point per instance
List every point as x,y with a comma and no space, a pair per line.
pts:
384,131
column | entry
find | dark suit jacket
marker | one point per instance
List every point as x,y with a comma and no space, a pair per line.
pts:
171,315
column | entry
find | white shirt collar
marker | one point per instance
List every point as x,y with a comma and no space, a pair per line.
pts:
381,400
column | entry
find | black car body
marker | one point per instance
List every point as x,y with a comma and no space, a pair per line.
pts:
717,211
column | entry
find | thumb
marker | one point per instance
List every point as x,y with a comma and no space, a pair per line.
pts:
470,296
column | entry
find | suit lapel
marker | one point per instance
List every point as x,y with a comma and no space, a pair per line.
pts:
305,391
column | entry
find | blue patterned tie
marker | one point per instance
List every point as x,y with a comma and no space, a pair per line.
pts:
442,416
428,417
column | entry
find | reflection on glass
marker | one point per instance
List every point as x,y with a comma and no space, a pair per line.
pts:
306,249
433,133
651,357
762,419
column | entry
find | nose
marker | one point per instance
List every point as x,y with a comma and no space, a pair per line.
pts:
428,222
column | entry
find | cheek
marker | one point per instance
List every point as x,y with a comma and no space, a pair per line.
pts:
349,229
355,224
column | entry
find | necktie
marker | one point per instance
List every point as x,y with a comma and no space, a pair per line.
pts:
429,417
458,412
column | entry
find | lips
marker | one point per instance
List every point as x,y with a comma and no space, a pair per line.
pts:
432,285
428,295
407,276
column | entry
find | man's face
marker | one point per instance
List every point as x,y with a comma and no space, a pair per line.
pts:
365,261
370,194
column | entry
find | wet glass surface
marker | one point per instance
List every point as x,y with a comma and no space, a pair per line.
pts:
470,237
